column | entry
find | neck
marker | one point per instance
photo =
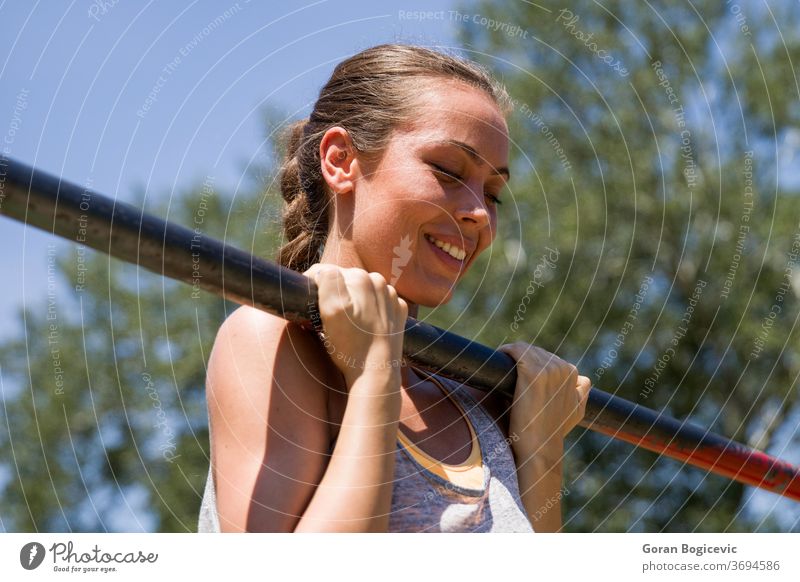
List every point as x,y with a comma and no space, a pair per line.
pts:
338,252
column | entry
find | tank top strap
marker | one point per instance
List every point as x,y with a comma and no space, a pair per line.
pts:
495,446
495,451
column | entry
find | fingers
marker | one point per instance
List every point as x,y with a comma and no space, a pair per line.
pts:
548,388
380,292
516,350
324,277
341,287
526,354
544,365
332,285
311,270
584,388
403,314
390,305
314,270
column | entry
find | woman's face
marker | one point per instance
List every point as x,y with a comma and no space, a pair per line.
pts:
435,185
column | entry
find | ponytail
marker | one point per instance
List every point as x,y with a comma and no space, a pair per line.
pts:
305,218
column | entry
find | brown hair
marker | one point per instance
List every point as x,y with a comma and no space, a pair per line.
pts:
370,94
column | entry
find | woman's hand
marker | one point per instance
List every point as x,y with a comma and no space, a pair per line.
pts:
549,400
362,317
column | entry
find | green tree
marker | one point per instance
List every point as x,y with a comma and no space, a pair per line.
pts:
104,414
649,159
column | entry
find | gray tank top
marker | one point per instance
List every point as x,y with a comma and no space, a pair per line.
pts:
424,501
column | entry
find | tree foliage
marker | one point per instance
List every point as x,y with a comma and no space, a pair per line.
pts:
105,425
650,158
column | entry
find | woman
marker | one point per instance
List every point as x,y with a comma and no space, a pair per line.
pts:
392,186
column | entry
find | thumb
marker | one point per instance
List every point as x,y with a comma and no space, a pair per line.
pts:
516,350
312,270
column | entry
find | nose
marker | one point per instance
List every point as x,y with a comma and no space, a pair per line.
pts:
473,208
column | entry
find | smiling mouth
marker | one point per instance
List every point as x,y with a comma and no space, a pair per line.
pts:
457,253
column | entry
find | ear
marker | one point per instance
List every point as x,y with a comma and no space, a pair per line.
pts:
339,164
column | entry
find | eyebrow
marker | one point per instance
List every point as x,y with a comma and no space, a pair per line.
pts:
477,158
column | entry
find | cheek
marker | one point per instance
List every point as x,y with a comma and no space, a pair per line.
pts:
391,234
380,228
392,210
403,199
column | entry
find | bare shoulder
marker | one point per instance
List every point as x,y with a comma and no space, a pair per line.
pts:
251,342
266,387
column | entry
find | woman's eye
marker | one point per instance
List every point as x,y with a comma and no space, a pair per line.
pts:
454,177
494,199
446,173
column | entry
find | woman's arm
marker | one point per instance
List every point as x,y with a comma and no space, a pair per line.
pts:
268,406
539,473
268,383
549,400
356,492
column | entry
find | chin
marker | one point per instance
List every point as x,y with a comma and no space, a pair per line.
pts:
427,289
428,298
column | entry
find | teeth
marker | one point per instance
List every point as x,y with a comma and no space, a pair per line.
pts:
451,250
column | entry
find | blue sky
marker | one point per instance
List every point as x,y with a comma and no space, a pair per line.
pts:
158,96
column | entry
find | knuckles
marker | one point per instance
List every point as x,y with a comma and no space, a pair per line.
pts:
539,365
353,292
379,281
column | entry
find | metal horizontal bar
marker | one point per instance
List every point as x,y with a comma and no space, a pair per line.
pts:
127,233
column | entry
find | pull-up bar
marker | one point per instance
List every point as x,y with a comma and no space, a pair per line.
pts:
127,233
